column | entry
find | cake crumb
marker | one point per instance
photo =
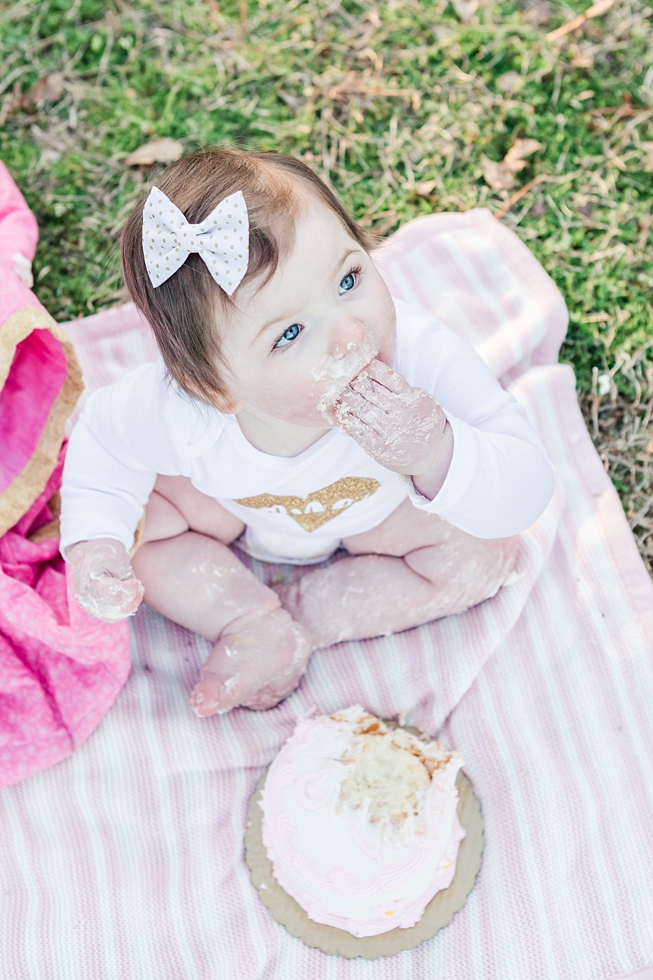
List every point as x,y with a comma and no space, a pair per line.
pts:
390,769
387,773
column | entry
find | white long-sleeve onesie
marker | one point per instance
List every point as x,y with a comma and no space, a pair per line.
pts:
299,508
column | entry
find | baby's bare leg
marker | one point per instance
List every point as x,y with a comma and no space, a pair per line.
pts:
195,580
176,505
409,570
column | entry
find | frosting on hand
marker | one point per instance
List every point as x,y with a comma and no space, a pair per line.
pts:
103,580
400,426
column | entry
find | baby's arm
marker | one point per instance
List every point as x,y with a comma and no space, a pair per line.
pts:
485,470
104,492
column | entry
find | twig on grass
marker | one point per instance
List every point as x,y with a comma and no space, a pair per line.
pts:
594,11
517,196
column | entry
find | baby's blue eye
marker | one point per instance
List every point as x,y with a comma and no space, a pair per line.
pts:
287,337
347,283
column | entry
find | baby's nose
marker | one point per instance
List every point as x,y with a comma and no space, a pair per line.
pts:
349,335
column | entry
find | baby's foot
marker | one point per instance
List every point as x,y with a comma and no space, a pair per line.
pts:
256,663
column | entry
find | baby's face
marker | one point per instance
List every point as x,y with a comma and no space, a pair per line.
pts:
294,345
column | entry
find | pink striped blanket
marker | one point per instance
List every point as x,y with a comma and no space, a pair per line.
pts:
125,861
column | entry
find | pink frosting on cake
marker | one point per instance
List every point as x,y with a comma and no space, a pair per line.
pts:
350,866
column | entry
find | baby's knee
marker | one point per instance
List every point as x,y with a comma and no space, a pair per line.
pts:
472,568
405,529
162,520
200,512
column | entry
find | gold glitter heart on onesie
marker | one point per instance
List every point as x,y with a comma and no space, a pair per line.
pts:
320,506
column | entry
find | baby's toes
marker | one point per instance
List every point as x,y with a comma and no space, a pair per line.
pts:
256,665
210,694
216,693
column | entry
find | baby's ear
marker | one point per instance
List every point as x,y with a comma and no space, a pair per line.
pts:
223,403
227,405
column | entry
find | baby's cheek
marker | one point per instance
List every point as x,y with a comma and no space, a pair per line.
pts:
294,402
385,322
313,407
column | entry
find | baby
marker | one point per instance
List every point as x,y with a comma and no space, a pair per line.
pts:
295,409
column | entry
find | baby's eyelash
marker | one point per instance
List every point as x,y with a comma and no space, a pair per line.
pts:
354,275
277,346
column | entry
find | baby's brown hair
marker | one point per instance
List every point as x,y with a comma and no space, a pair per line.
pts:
184,310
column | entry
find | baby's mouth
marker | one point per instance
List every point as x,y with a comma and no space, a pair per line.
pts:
339,374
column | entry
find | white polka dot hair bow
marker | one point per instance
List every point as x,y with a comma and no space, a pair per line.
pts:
222,239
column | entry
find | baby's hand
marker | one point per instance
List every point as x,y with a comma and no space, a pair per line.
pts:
103,580
399,426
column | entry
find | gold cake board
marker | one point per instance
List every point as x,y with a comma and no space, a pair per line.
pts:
438,913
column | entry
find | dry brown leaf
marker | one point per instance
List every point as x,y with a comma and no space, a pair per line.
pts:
424,187
497,175
465,9
165,150
46,89
421,188
514,158
509,82
501,176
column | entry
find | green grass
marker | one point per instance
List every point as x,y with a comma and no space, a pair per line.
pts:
172,69
382,99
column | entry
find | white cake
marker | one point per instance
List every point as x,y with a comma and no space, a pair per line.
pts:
360,822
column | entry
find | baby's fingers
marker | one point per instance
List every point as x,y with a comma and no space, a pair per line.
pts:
368,438
373,392
386,376
354,404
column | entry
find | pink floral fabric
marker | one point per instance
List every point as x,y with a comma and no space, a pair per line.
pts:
19,231
60,669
